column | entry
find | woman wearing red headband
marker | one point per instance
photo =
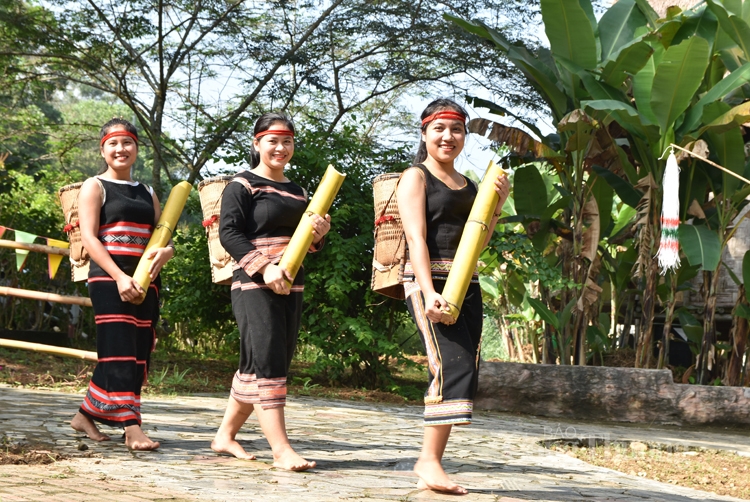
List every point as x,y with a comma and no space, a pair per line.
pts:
434,201
260,210
117,216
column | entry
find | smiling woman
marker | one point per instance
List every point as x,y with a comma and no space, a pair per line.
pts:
117,216
260,210
434,201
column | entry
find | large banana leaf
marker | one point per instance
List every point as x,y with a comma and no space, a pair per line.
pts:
617,27
677,78
730,119
627,193
733,25
603,193
529,191
538,75
544,312
628,117
499,110
569,32
651,16
519,142
643,83
700,245
629,61
730,149
737,78
702,24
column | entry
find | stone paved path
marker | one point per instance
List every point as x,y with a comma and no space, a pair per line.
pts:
364,452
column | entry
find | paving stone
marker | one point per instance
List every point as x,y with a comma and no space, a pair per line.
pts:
363,451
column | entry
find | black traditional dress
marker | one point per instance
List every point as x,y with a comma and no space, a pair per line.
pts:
257,220
452,351
125,334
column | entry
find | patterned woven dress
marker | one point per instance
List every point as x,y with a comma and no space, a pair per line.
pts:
258,218
452,351
125,333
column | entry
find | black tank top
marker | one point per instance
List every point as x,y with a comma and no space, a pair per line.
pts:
126,221
446,213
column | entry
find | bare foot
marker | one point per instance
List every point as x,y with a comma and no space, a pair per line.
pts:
135,439
82,423
289,460
433,477
230,446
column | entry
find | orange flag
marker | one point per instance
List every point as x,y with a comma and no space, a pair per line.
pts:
53,260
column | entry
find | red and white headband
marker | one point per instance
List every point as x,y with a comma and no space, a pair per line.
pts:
119,132
279,132
445,114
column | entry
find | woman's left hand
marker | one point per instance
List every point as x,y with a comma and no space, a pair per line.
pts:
160,256
320,226
502,188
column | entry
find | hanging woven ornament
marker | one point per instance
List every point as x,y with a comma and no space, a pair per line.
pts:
669,246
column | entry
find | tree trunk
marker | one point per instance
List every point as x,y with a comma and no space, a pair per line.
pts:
664,349
706,357
738,339
643,350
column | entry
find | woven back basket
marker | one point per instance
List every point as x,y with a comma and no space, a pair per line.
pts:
210,191
79,257
389,255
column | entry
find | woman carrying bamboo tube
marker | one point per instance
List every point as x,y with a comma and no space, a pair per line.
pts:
117,216
260,210
434,202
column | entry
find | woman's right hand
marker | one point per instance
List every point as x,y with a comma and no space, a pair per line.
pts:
128,288
277,279
434,303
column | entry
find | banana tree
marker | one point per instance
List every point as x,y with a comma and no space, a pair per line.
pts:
646,82
581,51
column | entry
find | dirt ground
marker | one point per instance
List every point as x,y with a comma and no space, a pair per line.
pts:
24,454
721,472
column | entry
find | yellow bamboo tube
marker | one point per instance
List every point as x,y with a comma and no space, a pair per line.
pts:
50,349
162,233
471,243
46,297
39,248
302,238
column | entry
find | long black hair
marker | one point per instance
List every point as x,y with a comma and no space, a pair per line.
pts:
439,105
107,128
264,123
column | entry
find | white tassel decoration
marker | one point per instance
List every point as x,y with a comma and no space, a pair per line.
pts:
669,245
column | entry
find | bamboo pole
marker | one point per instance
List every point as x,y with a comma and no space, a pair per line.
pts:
39,248
50,349
717,166
48,297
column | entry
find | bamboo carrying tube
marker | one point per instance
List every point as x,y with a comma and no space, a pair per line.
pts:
302,238
162,233
51,349
471,243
